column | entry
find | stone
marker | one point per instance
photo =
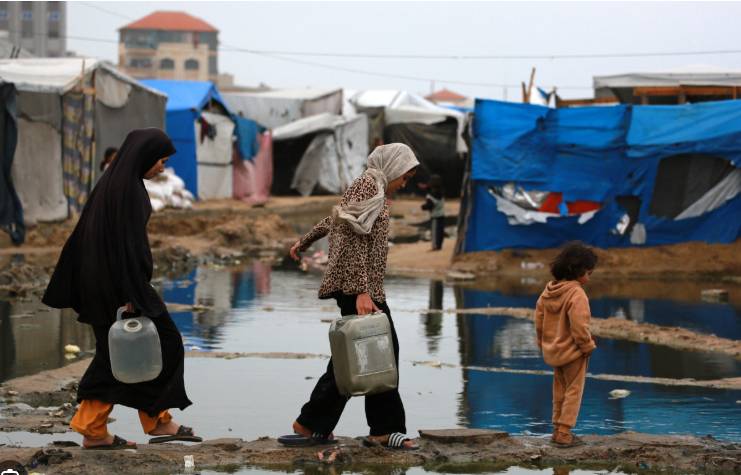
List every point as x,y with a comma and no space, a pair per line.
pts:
463,436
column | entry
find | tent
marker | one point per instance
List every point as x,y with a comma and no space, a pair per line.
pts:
273,109
201,128
11,209
321,153
610,176
434,132
68,111
694,83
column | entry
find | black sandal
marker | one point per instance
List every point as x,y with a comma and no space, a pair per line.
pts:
298,440
184,434
117,444
395,442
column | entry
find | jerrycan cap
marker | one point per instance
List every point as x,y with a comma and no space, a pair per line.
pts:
132,326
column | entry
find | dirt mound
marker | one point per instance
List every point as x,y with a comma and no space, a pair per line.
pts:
677,260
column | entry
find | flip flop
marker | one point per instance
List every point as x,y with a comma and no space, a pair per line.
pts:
575,442
184,434
117,444
298,440
395,442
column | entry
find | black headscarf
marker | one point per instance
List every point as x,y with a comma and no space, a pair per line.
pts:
107,261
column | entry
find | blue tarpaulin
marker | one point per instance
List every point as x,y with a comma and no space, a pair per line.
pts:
185,101
596,154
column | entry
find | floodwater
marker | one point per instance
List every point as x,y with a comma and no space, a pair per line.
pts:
259,309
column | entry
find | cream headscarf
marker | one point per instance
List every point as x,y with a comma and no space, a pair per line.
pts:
386,163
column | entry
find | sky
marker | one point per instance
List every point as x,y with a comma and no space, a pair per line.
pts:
437,29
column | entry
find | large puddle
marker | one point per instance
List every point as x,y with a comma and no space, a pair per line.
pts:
259,309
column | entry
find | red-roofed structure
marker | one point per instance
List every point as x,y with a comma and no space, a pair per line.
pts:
170,45
170,21
446,95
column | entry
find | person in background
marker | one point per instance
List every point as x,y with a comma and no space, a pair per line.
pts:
562,318
106,264
108,157
435,204
358,232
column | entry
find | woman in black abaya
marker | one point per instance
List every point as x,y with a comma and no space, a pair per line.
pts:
106,264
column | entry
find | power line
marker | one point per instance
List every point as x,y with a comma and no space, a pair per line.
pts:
105,10
449,57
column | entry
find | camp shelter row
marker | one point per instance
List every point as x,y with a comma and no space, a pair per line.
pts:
622,175
60,114
322,137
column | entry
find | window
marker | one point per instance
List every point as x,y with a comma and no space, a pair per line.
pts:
141,63
27,20
213,66
191,64
167,63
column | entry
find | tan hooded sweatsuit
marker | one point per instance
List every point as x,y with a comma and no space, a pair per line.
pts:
562,324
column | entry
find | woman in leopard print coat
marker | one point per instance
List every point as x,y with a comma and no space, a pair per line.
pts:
358,245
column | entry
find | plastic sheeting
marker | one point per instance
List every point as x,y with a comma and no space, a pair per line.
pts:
601,154
253,178
334,156
37,172
214,156
273,109
11,209
401,107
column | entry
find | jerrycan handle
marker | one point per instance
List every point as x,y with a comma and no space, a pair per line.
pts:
120,312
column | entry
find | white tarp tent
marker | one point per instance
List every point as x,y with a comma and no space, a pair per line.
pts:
404,107
214,157
119,102
273,109
335,156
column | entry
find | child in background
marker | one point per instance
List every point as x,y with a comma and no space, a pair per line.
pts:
562,325
435,204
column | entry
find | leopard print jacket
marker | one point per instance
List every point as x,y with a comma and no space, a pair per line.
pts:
357,262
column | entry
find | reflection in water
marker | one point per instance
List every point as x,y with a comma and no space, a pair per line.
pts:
33,336
433,321
257,309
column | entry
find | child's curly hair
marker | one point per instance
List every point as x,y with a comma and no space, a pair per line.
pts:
573,261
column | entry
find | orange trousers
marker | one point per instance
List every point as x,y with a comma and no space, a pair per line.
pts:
91,419
568,388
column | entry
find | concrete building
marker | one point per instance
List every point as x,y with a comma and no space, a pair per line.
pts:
38,27
169,45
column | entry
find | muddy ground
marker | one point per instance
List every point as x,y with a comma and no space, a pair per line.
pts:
226,232
454,451
629,452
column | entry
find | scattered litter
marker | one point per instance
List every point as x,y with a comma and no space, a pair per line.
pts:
49,457
714,295
619,393
189,461
455,275
72,349
268,308
524,265
70,356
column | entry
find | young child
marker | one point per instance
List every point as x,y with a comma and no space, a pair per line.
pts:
562,324
435,204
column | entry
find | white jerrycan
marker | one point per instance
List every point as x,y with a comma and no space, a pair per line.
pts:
134,347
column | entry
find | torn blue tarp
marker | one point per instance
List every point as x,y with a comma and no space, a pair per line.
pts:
599,156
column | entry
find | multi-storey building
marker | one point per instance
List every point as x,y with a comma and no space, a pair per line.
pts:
169,45
38,27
